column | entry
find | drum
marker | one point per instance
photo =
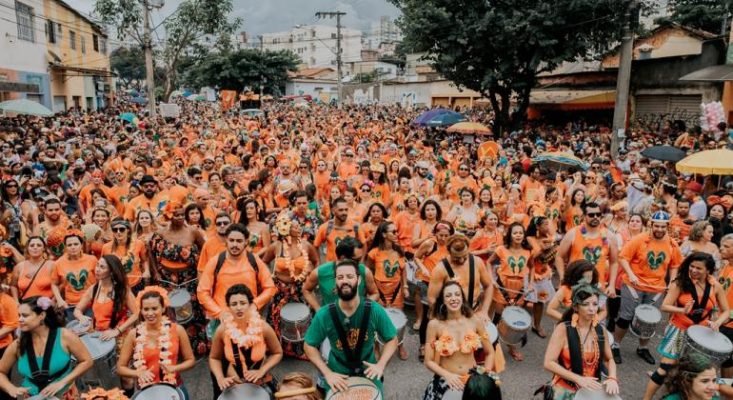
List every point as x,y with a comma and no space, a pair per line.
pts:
294,321
325,349
245,391
452,394
78,327
492,331
515,322
41,397
703,340
587,394
159,392
180,301
359,389
103,371
399,320
646,318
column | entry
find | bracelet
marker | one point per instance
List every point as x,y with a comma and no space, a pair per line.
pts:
612,378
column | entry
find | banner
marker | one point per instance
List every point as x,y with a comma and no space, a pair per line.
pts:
228,99
169,110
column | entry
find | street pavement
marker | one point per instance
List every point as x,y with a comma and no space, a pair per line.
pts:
406,380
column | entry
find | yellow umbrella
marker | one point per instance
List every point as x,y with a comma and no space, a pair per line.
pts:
469,128
709,162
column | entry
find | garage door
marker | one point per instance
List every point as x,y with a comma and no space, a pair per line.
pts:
658,108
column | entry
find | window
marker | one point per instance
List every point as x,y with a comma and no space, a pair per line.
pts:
58,32
51,31
333,36
72,40
24,18
103,45
95,43
83,45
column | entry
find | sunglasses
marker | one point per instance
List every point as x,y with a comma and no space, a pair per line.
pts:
366,190
463,169
593,215
11,186
222,223
119,229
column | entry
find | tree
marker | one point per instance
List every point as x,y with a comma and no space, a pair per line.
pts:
708,15
192,21
129,65
240,69
498,47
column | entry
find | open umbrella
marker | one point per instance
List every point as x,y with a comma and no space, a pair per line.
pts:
559,161
129,117
25,107
445,119
427,115
138,100
175,93
664,153
469,128
709,162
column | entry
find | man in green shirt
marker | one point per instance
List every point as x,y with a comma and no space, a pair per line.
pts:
352,325
324,277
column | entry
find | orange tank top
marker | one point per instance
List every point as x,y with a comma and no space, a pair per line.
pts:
701,311
103,312
38,285
152,355
594,250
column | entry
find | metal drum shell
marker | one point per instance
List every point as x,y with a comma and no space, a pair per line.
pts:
180,302
104,355
645,321
295,318
246,391
587,394
367,390
399,320
514,325
159,391
700,339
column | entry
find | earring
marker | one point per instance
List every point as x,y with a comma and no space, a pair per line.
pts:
574,320
443,309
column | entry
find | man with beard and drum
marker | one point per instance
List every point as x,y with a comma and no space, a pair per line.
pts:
591,242
352,325
646,260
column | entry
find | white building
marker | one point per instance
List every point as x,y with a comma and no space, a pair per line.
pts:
24,66
316,44
384,35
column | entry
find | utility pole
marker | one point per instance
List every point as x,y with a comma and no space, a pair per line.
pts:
262,43
149,73
623,80
338,15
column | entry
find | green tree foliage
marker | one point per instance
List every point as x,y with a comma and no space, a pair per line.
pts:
498,47
129,64
192,21
236,70
707,15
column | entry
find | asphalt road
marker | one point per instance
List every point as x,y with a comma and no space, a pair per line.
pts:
406,380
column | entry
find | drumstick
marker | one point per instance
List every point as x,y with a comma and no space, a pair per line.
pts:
178,285
509,290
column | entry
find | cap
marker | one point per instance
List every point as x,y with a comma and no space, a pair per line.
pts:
694,187
660,216
147,179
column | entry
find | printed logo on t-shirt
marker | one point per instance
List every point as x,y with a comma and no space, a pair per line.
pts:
592,254
390,269
655,259
517,265
77,283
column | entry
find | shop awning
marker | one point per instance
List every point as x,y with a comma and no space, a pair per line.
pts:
82,71
716,73
573,99
7,86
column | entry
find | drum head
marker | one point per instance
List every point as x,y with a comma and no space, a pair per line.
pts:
294,312
492,331
453,394
77,327
587,394
41,397
158,392
97,347
517,317
398,318
245,391
648,313
704,336
359,389
179,297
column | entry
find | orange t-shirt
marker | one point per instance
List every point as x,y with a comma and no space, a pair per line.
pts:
388,272
8,317
131,259
214,245
405,223
336,234
75,276
650,259
725,278
594,250
41,285
430,261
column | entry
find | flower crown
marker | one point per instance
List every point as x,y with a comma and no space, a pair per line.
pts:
102,394
44,303
153,289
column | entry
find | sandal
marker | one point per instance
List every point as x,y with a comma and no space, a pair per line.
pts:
517,356
539,332
404,355
416,326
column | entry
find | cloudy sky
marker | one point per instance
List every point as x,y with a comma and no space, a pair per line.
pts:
264,16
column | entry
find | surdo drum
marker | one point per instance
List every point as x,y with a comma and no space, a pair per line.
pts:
359,389
515,322
103,371
399,320
453,394
294,321
161,391
180,302
245,391
703,340
492,332
646,318
79,328
587,394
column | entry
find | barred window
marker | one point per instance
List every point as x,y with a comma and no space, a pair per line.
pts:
24,17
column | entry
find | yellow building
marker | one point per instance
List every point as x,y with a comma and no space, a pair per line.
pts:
78,59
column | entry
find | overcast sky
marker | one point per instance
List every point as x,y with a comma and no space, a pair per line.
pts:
264,16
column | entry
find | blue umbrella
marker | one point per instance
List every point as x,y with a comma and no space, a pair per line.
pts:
427,115
446,119
138,100
129,117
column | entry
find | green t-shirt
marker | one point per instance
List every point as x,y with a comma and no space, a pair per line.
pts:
327,282
676,396
322,328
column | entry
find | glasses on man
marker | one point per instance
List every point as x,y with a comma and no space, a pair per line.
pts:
222,223
463,169
119,229
593,215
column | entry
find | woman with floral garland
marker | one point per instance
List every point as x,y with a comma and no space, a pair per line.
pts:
247,349
294,259
141,357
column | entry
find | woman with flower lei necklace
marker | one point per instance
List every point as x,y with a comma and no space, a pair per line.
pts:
453,335
247,348
294,259
151,351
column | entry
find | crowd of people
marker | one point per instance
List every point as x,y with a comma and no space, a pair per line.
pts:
305,232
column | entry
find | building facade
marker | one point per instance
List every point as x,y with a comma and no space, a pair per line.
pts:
24,66
316,44
78,63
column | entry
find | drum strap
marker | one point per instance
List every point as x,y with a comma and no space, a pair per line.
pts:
471,276
252,262
353,356
247,353
41,378
330,226
696,315
504,292
33,279
576,354
394,294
